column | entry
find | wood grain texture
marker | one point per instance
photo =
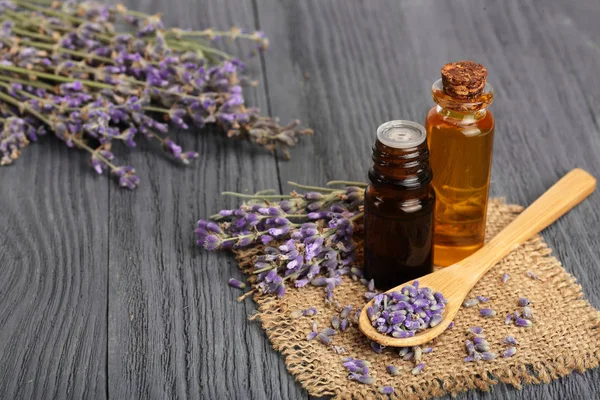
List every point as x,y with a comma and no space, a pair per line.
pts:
53,262
356,64
175,327
104,292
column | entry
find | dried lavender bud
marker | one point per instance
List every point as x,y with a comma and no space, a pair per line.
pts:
346,312
236,284
386,390
532,276
335,322
487,312
476,330
483,299
450,325
392,370
470,302
471,357
509,352
366,380
328,332
376,347
508,319
296,314
309,312
403,313
326,340
527,312
314,326
505,278
403,351
469,346
523,302
482,347
344,325
517,314
418,353
417,370
339,349
408,356
510,340
427,350
371,285
488,356
311,336
524,323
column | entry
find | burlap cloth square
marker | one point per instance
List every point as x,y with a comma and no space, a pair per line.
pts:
565,335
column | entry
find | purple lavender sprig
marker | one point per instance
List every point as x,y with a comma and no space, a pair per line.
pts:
307,238
94,87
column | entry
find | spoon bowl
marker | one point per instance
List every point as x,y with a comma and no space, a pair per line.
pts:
456,281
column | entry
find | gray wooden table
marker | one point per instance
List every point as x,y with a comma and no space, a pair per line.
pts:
103,292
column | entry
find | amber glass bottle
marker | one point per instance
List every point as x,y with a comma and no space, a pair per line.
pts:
460,134
399,206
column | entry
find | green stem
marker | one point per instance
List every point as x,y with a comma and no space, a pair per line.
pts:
252,196
49,11
315,188
54,47
56,78
37,84
81,144
26,107
24,32
347,183
156,109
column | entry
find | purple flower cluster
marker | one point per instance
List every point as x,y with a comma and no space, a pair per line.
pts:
403,313
477,347
306,238
93,86
523,318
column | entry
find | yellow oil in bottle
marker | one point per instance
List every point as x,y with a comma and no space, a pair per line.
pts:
460,134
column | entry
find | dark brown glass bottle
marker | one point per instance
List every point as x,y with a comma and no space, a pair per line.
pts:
399,206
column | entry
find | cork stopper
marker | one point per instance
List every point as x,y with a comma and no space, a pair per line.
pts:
463,79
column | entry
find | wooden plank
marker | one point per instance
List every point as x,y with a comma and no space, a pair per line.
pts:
175,328
344,67
53,258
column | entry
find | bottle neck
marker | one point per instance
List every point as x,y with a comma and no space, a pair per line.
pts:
462,108
404,168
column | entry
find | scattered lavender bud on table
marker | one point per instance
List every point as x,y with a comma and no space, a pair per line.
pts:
339,349
508,319
392,370
527,312
532,276
476,330
335,322
408,356
326,340
403,351
328,332
510,340
366,380
483,299
450,325
487,312
386,390
376,347
417,370
523,302
344,325
427,350
236,284
309,312
470,302
509,352
311,335
524,323
505,278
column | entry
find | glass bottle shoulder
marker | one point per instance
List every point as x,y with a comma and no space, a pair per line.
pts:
469,124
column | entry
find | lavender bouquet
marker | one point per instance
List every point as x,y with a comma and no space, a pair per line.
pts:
66,69
303,238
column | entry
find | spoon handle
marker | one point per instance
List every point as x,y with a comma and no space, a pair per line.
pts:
565,194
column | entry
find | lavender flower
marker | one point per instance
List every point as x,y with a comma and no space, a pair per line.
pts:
418,369
505,277
523,302
392,370
508,319
483,299
532,276
358,370
523,323
470,302
476,330
510,340
96,86
299,249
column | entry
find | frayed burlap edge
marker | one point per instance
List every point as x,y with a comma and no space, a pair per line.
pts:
319,369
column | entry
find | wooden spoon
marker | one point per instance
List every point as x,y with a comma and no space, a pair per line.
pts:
455,281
